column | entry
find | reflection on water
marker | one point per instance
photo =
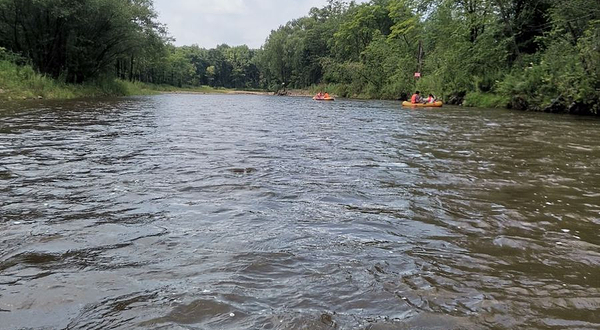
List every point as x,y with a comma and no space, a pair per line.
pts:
215,212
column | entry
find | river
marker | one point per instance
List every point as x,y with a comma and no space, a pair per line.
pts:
258,212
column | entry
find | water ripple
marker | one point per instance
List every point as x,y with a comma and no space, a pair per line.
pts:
214,211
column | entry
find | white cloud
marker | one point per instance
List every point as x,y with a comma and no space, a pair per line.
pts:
205,7
234,22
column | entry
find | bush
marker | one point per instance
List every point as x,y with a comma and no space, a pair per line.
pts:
393,91
485,100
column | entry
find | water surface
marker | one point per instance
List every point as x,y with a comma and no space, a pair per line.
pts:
233,212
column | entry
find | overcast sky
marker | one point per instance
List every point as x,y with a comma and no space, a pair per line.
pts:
208,23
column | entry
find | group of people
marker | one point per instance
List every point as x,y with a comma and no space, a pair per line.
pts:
321,96
417,98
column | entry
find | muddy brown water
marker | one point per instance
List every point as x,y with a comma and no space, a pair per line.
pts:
256,212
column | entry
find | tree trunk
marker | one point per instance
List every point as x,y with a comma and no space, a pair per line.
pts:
131,69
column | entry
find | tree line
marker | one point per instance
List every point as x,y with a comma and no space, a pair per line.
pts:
76,41
529,54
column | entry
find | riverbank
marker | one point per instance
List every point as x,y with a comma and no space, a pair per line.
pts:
557,104
23,83
476,99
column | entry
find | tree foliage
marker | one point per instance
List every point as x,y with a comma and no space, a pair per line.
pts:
78,39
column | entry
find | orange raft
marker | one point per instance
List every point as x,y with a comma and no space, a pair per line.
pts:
323,98
437,104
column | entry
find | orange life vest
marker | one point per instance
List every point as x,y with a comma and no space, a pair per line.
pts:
414,98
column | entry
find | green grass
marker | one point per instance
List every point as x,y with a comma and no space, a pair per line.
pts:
22,82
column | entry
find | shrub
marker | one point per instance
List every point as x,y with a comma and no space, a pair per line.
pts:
486,100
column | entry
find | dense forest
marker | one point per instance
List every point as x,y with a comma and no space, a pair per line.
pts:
524,54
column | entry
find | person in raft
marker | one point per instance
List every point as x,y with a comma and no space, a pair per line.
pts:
326,95
319,95
430,99
416,98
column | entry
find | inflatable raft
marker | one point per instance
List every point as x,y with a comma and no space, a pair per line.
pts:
436,104
323,99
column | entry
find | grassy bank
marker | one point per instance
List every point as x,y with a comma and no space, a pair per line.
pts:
22,83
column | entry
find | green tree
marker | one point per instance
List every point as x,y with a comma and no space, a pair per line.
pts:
77,39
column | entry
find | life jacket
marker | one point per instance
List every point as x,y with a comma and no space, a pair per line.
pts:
414,98
430,100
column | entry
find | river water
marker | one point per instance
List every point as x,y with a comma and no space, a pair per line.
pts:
257,212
